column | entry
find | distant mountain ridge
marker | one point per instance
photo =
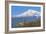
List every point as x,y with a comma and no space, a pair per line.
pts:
28,13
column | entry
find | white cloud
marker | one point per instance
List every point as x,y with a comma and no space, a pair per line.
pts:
29,13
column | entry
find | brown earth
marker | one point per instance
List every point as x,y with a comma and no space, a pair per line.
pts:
29,24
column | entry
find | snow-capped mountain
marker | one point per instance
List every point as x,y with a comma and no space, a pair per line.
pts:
27,16
28,13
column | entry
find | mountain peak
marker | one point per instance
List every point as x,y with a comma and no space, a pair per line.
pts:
29,12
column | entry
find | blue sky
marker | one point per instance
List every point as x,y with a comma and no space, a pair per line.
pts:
20,9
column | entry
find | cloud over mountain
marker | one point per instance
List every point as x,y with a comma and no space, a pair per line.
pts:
29,12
